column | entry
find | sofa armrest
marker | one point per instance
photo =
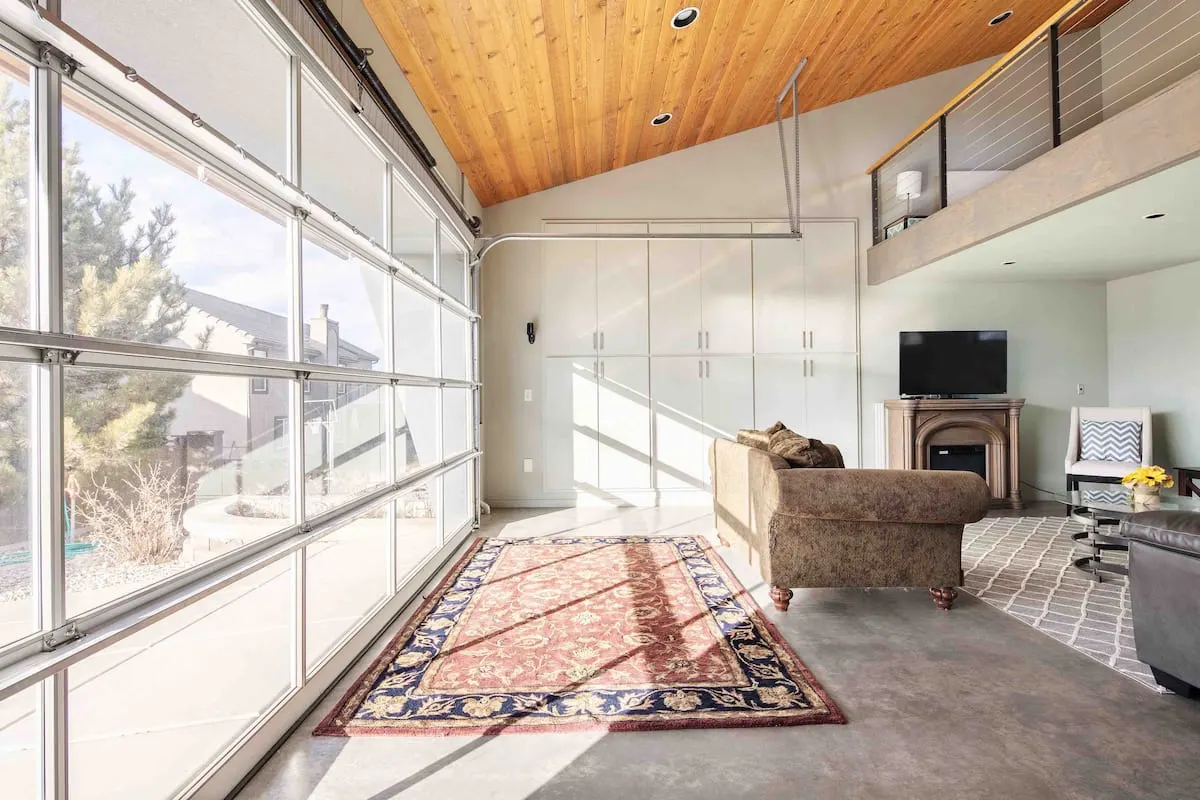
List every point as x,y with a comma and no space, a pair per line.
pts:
1178,531
884,495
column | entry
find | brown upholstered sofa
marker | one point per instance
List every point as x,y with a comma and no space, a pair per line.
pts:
814,528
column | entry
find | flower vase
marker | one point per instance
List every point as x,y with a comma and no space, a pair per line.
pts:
1145,496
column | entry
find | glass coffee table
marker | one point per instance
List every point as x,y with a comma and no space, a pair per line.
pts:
1099,508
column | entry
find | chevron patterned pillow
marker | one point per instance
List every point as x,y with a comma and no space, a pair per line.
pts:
1111,440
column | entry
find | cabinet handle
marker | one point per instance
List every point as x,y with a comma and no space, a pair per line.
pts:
810,340
593,340
601,340
700,367
601,368
706,344
812,368
707,368
699,340
806,367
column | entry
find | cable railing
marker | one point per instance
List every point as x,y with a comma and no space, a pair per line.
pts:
1090,61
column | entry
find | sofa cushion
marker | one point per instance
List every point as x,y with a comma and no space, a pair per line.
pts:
802,452
1170,530
1110,440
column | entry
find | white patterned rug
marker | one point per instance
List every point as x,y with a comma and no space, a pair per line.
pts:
1022,566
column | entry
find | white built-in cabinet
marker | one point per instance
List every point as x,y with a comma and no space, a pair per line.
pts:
597,421
696,400
653,349
701,298
813,394
594,292
805,289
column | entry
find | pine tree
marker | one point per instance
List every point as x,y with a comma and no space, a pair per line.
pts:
117,285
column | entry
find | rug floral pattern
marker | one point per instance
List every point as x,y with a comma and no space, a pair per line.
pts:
625,633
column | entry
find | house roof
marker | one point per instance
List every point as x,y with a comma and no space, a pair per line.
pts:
265,327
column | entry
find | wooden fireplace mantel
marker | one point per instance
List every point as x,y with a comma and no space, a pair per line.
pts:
916,425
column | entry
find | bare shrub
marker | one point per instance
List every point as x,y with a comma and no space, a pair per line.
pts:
140,520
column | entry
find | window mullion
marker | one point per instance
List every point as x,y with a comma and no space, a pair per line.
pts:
46,406
295,255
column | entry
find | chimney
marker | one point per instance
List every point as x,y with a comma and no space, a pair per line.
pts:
324,333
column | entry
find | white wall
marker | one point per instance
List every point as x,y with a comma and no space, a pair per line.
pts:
1056,340
739,177
1152,333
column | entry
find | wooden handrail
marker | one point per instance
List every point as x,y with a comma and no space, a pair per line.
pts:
1005,61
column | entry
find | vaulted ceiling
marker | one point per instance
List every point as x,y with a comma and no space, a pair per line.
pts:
530,94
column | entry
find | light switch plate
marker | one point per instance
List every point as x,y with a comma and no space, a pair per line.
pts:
527,465
529,395
1079,388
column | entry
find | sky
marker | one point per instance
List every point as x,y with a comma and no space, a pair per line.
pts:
227,249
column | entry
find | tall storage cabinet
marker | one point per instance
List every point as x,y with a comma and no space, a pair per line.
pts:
653,349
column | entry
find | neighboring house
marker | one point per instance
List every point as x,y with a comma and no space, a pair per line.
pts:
236,415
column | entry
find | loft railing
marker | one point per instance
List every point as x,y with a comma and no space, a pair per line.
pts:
1088,62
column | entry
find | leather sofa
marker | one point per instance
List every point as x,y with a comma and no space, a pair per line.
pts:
1164,583
817,528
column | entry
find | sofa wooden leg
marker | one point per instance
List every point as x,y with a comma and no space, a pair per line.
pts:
943,597
781,597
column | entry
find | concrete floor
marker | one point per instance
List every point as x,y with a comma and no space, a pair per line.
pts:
966,704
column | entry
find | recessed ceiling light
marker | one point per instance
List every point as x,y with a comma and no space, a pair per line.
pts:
996,20
685,17
1154,216
661,119
1009,263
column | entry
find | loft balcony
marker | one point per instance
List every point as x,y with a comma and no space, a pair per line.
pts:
1064,131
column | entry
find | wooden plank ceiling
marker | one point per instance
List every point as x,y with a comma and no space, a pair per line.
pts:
530,94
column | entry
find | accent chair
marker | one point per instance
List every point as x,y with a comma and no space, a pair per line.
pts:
1106,444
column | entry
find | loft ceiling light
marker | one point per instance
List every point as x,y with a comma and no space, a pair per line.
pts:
999,18
1009,263
685,17
661,119
1158,215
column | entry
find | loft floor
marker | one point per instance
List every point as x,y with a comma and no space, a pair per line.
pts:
970,703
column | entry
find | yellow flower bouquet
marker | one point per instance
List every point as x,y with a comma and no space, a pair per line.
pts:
1155,477
1147,482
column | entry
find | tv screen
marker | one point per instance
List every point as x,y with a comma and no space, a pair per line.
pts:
953,362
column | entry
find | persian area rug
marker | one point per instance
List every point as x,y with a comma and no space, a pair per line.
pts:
557,634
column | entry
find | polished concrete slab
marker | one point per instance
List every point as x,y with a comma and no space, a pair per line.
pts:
968,704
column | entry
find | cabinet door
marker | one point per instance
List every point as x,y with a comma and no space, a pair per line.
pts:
621,292
675,326
728,305
570,454
680,461
779,387
624,417
779,324
832,402
829,286
728,400
568,320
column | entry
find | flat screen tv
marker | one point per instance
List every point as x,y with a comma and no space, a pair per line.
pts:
949,363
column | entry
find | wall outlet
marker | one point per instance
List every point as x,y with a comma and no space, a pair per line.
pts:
1079,388
529,395
527,465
